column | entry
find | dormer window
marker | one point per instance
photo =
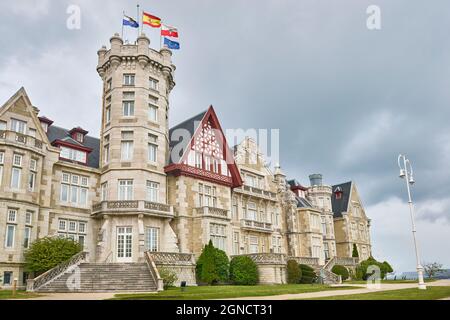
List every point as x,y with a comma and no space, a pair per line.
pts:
79,137
338,193
45,123
78,134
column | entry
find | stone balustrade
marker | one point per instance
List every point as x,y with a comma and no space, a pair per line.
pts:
213,212
172,258
267,258
347,261
256,192
256,225
310,261
21,139
138,206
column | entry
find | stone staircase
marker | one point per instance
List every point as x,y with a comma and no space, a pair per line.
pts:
102,277
325,273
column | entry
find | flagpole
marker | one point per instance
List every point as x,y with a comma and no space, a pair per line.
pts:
137,21
123,16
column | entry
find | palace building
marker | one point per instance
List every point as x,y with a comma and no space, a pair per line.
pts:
144,196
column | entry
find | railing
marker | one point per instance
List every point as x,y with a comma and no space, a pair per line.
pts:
267,258
310,261
172,258
256,192
328,276
160,209
211,211
52,274
21,138
256,225
330,264
347,261
154,271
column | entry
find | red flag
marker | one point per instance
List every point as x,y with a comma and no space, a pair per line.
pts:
169,31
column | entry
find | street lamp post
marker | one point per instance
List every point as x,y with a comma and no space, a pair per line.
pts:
406,172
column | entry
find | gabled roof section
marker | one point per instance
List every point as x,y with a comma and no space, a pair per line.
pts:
294,185
90,144
303,203
182,140
341,205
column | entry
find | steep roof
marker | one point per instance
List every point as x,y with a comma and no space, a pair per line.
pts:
58,133
189,126
303,203
341,205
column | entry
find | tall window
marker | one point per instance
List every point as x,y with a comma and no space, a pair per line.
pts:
236,245
153,84
74,189
108,114
354,230
109,85
128,79
27,237
104,189
234,209
2,161
316,247
218,235
16,171
128,104
251,211
207,196
153,108
32,175
127,145
152,239
2,125
254,248
326,250
125,189
276,244
152,191
315,221
10,235
152,147
106,149
18,126
324,225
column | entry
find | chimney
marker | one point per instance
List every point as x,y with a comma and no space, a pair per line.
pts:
315,179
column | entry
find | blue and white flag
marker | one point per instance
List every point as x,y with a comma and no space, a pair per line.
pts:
128,21
171,44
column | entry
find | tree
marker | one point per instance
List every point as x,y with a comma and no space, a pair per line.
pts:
432,268
243,271
212,265
294,273
46,253
355,253
361,269
308,274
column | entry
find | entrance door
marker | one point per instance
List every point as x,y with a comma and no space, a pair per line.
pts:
124,244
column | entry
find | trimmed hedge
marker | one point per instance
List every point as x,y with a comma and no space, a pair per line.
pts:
243,271
308,274
341,271
212,265
361,270
294,273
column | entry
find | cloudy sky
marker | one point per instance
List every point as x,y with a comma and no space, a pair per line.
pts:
346,99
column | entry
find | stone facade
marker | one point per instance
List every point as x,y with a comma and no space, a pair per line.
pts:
125,193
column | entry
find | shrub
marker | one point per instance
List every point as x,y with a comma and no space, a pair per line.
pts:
243,271
308,274
169,277
46,253
212,265
341,271
355,253
294,273
361,270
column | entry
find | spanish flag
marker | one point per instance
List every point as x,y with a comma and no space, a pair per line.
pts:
150,20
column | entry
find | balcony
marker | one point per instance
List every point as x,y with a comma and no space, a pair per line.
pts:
135,206
256,192
256,225
213,212
20,139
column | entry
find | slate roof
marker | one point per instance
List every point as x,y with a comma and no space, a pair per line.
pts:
58,133
190,125
303,203
341,205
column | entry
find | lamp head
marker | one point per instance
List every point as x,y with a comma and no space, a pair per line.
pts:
411,180
402,173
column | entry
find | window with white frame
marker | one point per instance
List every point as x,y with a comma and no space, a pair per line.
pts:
10,235
315,221
16,172
106,149
104,191
198,160
72,154
128,104
253,244
152,191
218,236
2,125
125,189
251,211
127,146
152,147
276,244
27,237
29,217
236,246
153,84
316,247
234,209
74,189
128,79
32,132
324,225
152,239
73,229
18,126
12,216
207,196
153,108
32,175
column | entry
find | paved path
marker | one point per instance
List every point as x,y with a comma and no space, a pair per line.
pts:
79,296
329,293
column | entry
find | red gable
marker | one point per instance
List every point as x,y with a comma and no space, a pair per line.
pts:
208,156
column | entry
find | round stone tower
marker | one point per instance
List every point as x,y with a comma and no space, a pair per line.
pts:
137,81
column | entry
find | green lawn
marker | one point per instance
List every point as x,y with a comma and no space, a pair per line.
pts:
386,281
431,293
20,294
221,292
